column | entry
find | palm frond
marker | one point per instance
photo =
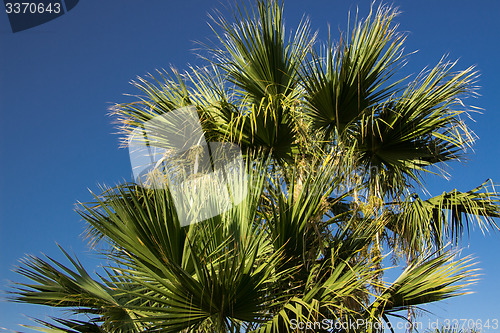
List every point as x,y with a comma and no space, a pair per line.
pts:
408,134
353,78
429,278
256,55
435,221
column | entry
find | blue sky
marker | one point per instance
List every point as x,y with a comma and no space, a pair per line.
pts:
56,141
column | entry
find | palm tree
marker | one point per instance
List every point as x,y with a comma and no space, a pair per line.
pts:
335,149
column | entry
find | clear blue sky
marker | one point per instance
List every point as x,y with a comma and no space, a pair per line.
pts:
56,140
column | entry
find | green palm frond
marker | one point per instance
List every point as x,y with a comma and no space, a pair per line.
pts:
445,217
256,55
204,88
57,285
297,205
337,285
70,326
429,278
355,76
264,65
417,130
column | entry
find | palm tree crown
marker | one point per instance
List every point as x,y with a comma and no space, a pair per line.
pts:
334,147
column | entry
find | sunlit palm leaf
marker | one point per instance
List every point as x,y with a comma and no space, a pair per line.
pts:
351,79
410,133
427,279
444,218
